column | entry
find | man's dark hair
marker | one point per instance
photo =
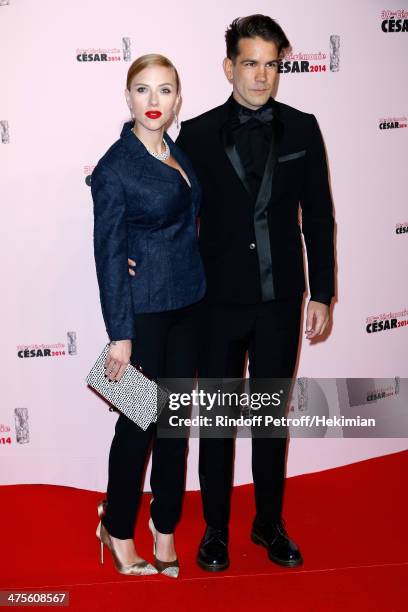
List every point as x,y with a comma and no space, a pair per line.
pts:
251,26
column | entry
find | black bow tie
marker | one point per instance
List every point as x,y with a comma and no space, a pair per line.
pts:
264,115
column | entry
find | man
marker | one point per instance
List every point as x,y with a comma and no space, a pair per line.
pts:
257,160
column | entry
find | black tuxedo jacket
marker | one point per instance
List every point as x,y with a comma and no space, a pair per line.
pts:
252,247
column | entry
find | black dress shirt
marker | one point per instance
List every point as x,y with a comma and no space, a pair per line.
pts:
252,135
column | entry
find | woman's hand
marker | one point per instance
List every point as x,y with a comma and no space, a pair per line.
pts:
117,358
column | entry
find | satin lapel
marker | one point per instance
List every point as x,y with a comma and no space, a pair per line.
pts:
232,154
265,189
261,225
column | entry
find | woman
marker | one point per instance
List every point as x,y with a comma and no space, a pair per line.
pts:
146,200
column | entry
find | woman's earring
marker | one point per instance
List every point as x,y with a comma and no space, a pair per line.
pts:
176,120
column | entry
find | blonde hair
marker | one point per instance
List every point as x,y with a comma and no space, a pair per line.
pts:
151,59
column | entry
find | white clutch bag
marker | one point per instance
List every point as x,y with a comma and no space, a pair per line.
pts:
135,395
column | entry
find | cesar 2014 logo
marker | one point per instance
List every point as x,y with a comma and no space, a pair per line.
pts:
105,54
313,62
25,351
401,228
393,123
394,21
387,321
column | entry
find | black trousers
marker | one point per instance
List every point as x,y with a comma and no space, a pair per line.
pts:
269,333
165,345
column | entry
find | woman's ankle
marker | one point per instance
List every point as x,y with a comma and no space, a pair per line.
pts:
165,548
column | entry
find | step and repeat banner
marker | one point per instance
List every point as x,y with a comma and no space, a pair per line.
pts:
63,67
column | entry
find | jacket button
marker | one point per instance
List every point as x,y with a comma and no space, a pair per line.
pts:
252,246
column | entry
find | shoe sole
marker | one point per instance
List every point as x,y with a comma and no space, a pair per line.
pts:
257,540
212,568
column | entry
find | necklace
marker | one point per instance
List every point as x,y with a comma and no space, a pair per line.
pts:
161,156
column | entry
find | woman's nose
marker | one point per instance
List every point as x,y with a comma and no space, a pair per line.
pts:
154,100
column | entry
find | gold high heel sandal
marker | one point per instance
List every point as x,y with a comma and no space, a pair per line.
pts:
142,568
167,568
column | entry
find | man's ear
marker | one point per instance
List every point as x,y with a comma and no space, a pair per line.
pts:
227,65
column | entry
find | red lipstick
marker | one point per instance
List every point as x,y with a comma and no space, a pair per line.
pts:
153,114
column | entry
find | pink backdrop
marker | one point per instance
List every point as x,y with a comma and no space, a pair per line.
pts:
58,115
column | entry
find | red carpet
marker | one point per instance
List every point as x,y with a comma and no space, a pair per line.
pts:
350,522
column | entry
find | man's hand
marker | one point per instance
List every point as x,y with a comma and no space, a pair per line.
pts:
318,317
117,358
131,263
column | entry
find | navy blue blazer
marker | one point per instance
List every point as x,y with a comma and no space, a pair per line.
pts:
144,210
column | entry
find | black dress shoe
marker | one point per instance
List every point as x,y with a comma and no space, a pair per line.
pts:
213,552
281,549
